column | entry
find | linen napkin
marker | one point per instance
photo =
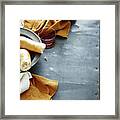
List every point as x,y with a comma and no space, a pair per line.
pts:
40,88
24,81
62,27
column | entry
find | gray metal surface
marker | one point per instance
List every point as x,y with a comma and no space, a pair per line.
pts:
74,62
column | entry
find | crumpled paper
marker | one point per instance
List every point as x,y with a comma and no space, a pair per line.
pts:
40,88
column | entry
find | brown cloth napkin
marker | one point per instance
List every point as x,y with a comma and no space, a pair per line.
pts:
62,27
41,88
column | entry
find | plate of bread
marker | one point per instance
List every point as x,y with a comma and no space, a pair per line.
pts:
31,48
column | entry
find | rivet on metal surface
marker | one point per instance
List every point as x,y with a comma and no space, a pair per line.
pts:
96,45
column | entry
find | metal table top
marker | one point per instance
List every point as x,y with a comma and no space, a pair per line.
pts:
74,62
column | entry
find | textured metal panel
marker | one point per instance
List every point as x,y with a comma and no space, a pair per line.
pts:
74,62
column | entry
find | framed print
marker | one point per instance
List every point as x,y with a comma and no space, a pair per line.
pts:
59,59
